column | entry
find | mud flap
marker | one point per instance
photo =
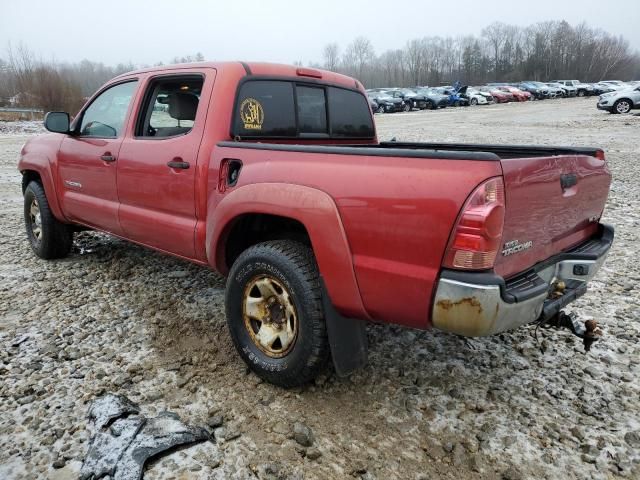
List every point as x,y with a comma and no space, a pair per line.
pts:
347,338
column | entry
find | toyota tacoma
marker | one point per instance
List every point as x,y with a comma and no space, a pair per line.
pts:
273,176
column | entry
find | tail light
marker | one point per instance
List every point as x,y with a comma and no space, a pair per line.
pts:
476,237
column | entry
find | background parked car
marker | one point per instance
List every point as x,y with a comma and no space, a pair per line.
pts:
434,98
475,96
620,101
410,98
373,104
539,93
500,96
547,91
583,89
599,88
386,103
455,100
568,90
519,95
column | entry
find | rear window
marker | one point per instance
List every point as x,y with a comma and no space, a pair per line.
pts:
287,109
312,109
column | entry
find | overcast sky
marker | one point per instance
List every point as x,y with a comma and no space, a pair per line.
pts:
148,31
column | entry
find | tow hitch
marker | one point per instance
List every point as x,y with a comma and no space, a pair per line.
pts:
552,316
588,331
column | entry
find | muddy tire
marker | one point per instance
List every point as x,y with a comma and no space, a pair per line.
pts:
48,237
274,312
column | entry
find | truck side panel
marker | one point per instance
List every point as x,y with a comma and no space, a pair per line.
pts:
397,214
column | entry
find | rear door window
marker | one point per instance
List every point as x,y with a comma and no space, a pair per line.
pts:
170,107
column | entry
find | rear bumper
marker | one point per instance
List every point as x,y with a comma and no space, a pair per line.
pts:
479,304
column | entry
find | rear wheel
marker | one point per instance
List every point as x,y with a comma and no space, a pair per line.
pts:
274,312
581,93
380,109
622,106
48,237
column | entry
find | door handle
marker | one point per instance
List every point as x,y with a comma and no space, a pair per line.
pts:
178,163
107,157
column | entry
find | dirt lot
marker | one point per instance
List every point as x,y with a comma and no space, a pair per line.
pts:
117,318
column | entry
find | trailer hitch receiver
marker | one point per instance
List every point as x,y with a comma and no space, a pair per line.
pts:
589,332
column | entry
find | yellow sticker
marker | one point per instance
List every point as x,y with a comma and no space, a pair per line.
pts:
251,114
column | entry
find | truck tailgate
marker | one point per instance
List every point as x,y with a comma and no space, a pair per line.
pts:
552,203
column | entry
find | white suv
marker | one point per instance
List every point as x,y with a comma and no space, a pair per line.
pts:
584,89
620,101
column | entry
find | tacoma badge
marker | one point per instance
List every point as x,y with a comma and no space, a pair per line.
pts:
514,246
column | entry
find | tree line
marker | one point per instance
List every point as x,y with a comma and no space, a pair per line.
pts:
502,53
30,82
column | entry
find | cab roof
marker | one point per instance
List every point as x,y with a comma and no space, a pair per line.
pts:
259,68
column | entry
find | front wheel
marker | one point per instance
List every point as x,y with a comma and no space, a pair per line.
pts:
49,238
581,93
407,107
474,101
622,106
274,312
380,109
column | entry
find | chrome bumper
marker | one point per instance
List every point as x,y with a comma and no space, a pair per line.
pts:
487,306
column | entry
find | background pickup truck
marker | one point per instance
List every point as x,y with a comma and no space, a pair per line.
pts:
273,176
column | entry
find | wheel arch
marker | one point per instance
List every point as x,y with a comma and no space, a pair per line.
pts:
277,210
34,171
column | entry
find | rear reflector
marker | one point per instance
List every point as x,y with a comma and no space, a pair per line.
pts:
477,234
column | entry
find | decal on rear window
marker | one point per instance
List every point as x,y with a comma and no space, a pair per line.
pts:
251,114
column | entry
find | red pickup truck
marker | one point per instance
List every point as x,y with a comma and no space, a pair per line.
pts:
273,176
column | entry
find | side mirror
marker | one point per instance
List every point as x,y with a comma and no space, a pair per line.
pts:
57,122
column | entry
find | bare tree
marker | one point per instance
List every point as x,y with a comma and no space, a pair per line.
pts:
496,34
331,54
358,55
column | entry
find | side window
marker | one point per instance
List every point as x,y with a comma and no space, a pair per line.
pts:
312,109
170,107
265,108
349,113
105,117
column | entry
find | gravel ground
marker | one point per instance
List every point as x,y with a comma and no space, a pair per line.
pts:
115,317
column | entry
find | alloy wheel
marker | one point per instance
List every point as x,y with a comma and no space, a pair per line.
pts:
270,316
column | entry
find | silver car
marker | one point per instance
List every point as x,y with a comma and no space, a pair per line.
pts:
620,101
